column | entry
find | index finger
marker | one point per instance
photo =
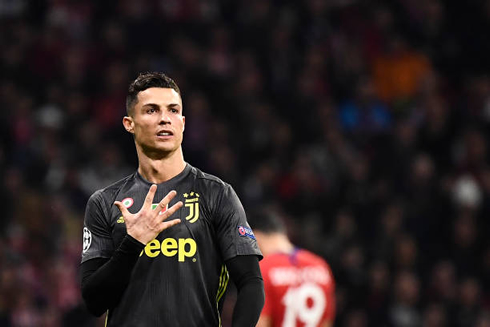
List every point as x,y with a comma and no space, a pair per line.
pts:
150,196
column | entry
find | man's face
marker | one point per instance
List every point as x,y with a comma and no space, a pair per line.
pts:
157,122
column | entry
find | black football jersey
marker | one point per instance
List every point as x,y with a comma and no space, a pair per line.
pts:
180,277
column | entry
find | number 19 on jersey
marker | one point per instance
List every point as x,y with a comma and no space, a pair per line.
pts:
305,303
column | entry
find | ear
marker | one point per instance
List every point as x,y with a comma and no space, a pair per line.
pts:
128,124
183,120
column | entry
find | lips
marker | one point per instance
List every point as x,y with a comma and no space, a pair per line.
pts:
165,133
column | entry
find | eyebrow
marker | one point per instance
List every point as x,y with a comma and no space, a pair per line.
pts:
154,105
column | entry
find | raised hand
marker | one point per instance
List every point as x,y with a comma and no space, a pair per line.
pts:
147,223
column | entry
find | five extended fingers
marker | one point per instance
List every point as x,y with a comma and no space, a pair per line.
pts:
156,217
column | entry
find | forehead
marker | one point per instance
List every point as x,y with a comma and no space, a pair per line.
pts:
160,96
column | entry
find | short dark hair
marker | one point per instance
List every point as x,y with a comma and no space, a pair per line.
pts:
145,81
266,221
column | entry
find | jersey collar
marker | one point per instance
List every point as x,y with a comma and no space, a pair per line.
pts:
174,180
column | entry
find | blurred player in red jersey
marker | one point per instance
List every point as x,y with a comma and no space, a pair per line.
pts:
299,285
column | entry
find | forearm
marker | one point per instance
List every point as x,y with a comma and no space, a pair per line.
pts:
264,321
104,280
249,304
245,272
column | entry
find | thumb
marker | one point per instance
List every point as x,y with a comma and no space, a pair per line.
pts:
121,207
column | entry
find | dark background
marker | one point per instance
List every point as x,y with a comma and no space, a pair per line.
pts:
367,122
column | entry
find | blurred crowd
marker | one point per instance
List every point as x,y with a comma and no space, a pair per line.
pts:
366,122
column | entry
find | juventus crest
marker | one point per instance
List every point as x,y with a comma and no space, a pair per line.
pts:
192,202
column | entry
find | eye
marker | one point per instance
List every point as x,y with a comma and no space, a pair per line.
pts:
173,110
151,110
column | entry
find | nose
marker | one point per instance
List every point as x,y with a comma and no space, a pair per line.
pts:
164,118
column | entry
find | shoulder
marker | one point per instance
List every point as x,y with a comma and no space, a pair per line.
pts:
310,257
208,179
211,185
109,193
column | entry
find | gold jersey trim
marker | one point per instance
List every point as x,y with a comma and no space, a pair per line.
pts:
223,283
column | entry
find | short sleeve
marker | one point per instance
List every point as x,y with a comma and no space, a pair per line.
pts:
235,237
97,240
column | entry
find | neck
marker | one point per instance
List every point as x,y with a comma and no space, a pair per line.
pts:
160,169
277,243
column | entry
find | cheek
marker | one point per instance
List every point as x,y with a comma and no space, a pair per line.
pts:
180,125
141,131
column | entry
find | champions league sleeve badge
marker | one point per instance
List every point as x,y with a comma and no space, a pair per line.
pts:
246,232
87,239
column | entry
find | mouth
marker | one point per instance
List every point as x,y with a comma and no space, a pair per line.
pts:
164,134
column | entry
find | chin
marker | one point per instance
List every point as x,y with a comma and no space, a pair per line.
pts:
158,149
162,149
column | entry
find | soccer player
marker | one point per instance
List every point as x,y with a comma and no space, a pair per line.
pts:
299,286
158,244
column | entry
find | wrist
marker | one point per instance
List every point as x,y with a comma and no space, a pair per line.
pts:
138,238
135,241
